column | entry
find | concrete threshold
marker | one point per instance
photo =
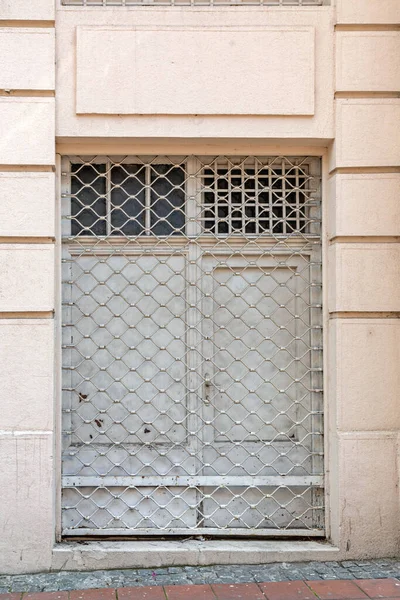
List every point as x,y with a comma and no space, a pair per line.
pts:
86,556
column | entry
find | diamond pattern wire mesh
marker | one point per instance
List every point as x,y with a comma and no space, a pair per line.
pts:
192,2
192,346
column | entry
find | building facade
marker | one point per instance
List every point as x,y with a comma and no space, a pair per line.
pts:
200,282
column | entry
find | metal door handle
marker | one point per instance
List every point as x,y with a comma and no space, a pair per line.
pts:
207,386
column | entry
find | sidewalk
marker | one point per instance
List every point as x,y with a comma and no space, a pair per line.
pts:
284,590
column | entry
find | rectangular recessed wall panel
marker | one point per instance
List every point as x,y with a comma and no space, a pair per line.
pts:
27,11
368,132
368,61
27,59
373,11
27,134
27,398
367,398
364,204
27,277
27,204
367,278
172,70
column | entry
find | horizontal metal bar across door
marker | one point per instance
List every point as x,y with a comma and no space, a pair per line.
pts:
128,3
192,346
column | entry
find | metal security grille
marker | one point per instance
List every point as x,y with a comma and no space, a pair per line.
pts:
193,2
192,346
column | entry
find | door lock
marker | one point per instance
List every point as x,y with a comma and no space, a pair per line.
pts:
207,386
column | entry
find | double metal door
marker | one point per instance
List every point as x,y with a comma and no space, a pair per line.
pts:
192,358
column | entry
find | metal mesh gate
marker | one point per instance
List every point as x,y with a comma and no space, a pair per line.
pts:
192,346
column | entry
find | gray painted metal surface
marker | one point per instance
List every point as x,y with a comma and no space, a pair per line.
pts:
192,346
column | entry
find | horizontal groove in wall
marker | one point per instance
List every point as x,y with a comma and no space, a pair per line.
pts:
27,240
26,168
365,315
37,314
367,94
365,239
366,27
25,433
363,170
37,24
27,93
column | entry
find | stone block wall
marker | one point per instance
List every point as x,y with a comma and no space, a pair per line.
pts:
27,267
364,279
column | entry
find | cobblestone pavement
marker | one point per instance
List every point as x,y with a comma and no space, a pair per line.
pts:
219,574
289,590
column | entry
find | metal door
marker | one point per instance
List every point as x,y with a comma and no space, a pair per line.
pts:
192,356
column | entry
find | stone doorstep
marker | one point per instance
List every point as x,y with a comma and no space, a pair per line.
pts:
284,590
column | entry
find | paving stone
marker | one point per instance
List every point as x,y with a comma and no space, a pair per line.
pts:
342,574
336,590
88,584
94,594
312,576
143,593
241,591
226,579
133,582
381,588
173,570
47,596
204,577
323,569
311,571
191,569
165,580
182,592
266,571
286,590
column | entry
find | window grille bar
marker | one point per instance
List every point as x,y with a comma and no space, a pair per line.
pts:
226,532
192,3
72,482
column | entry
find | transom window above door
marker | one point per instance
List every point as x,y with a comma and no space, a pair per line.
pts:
220,196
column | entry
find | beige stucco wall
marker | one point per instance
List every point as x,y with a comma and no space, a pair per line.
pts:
363,278
336,79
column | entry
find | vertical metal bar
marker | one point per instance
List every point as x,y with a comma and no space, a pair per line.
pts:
147,200
257,208
283,199
243,196
297,204
194,388
108,199
270,195
62,185
216,195
229,197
